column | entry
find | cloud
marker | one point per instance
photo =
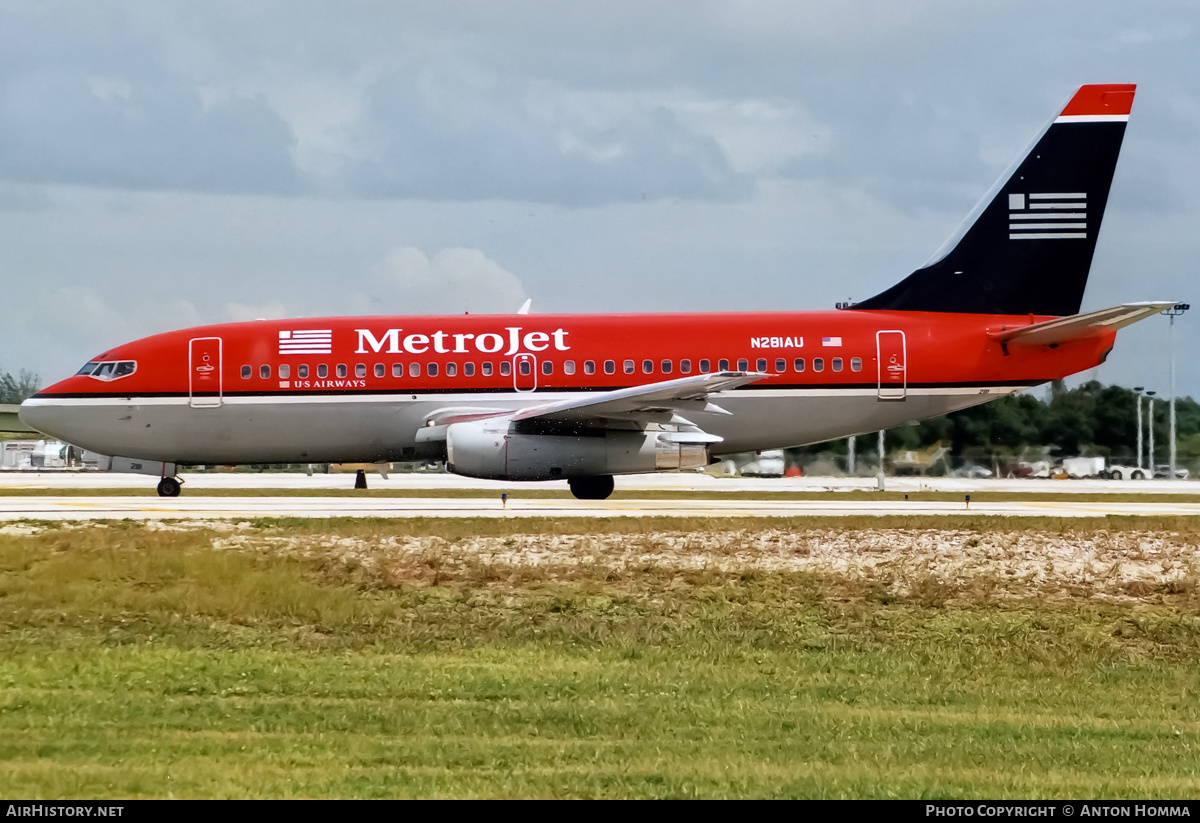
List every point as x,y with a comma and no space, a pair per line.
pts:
240,312
454,280
445,136
142,132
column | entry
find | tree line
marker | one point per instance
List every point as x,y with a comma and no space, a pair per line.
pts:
1091,419
15,388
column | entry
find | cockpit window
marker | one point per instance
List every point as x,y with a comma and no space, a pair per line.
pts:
88,368
110,370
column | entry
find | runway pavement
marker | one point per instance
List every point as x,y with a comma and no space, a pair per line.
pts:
239,508
764,502
676,481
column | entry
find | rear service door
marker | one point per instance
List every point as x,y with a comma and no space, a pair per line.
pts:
891,357
204,372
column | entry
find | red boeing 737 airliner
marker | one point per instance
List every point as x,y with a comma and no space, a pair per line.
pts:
586,397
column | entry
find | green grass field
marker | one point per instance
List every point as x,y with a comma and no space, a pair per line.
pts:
324,659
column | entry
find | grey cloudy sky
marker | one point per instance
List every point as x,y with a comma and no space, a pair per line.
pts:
165,164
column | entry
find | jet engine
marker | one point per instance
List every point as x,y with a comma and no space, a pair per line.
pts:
498,449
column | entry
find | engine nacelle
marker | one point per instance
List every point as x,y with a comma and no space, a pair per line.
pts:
492,450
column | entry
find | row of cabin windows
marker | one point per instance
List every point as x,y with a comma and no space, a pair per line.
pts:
525,367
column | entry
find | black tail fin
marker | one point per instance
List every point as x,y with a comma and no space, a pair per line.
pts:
1027,247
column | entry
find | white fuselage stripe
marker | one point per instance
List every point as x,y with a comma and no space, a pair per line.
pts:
484,399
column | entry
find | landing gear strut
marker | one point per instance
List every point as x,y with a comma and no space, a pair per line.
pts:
169,487
591,488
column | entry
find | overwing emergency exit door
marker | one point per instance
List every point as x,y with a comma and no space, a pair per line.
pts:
204,372
524,372
890,357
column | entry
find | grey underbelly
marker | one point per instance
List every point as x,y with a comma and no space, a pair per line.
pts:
384,429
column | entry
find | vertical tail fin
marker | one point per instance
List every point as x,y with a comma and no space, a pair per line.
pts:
1027,247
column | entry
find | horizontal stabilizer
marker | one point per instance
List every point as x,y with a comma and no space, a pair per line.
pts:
1079,326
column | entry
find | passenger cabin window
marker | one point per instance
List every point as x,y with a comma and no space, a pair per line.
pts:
547,367
705,367
468,369
743,364
451,369
432,370
666,366
780,365
380,370
568,367
414,369
341,370
285,371
247,371
818,364
685,366
762,365
722,365
629,367
264,372
798,365
505,368
647,367
360,370
302,371
322,370
610,367
397,370
589,367
836,363
855,364
486,369
525,368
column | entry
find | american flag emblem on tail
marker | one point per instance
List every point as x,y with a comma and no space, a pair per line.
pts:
306,341
1047,216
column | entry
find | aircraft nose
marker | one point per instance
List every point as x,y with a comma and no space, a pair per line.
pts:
33,414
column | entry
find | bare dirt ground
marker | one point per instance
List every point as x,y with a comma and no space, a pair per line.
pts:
1112,565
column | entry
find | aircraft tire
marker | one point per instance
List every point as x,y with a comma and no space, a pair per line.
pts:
591,488
168,487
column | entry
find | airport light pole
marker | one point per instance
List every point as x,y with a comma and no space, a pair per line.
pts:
1172,313
1150,433
1139,390
851,461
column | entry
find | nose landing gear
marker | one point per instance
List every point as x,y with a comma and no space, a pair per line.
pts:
169,487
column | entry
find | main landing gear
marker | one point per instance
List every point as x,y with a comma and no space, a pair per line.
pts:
169,487
591,488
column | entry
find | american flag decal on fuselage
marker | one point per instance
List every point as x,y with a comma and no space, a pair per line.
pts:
1047,216
306,341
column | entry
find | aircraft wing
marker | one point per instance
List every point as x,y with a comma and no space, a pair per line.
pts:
666,396
659,402
1078,326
